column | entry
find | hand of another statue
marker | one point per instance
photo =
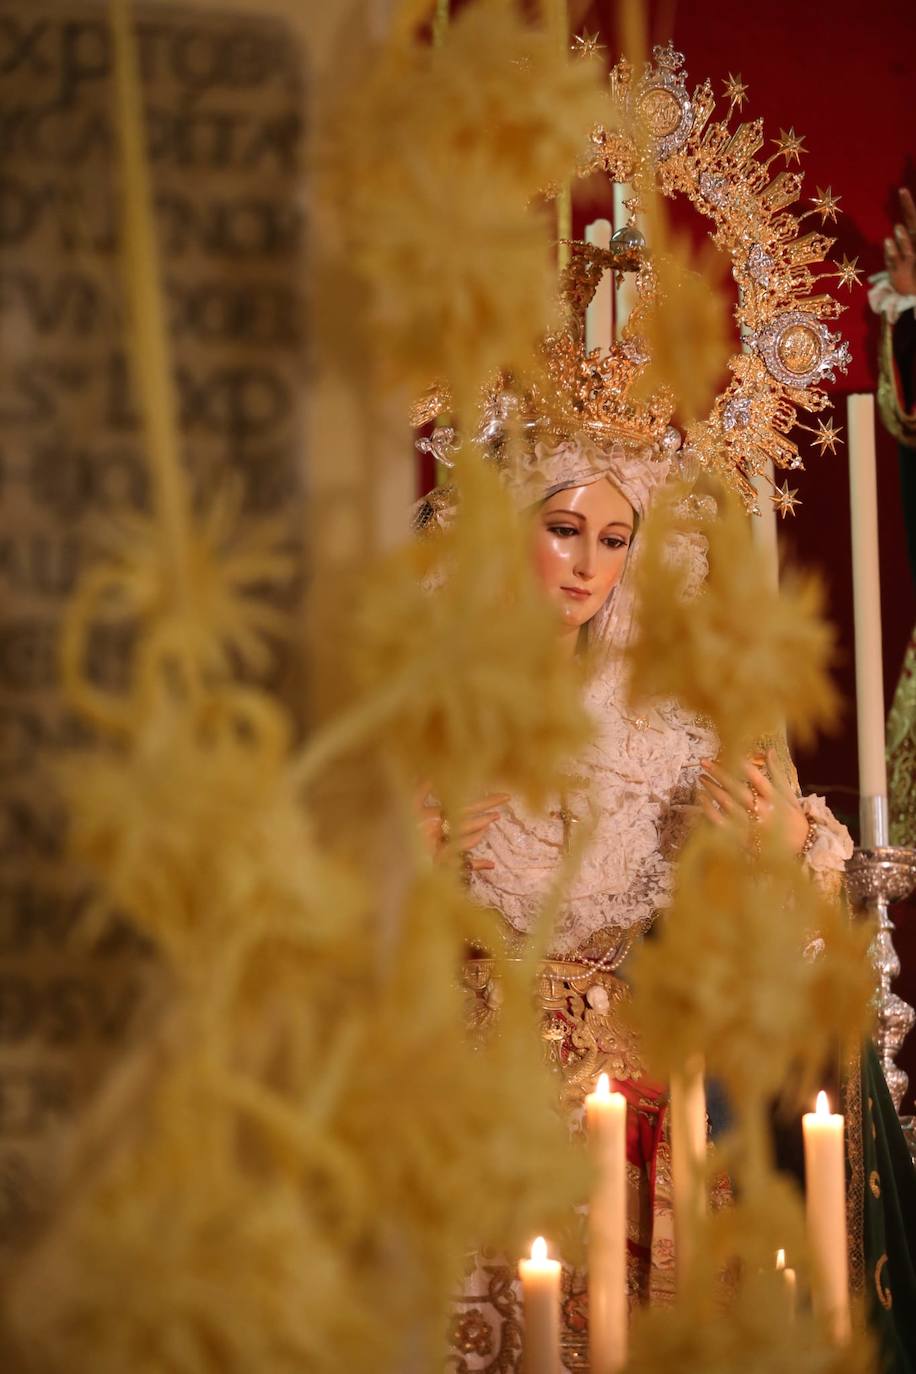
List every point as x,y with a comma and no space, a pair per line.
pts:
756,798
900,250
474,823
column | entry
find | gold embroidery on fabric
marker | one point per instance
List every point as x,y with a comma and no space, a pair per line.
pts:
582,1026
574,1319
885,1296
874,1182
471,1333
851,1090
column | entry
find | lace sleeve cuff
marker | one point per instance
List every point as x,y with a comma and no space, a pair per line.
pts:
832,844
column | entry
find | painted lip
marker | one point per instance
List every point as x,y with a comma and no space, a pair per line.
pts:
580,593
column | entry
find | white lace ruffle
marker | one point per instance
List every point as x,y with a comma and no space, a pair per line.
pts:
636,779
833,844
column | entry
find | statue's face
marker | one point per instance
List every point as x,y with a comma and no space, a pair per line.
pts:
581,537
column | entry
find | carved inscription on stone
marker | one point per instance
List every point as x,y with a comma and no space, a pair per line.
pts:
223,99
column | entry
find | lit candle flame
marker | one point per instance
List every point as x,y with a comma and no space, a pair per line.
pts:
823,1106
780,1259
603,1086
539,1250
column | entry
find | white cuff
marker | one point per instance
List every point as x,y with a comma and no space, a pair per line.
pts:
884,300
832,844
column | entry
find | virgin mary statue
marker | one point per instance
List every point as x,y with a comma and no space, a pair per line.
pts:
644,780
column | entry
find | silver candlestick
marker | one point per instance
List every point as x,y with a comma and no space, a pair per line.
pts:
877,875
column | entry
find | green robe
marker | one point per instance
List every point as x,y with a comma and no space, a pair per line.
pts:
881,1205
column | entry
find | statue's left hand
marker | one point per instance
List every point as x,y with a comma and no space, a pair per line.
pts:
755,797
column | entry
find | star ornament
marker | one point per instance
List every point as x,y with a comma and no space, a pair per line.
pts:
850,273
826,437
791,145
826,203
785,500
736,90
587,45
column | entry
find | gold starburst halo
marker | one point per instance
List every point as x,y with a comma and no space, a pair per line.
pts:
789,350
663,140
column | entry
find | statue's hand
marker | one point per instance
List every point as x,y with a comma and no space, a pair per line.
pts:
753,798
475,821
900,250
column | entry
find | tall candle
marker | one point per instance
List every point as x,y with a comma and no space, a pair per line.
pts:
599,311
606,1114
825,1195
866,586
688,1159
540,1278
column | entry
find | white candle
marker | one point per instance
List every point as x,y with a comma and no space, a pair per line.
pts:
763,526
790,1280
598,312
688,1159
540,1278
606,1114
825,1194
866,586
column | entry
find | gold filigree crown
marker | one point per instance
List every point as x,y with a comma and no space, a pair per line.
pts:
665,137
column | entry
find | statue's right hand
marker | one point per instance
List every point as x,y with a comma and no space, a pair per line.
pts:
900,250
476,820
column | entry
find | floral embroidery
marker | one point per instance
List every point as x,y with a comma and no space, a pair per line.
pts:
471,1333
